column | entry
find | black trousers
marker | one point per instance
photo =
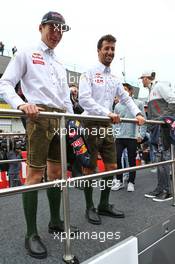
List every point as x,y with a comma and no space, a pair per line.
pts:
131,146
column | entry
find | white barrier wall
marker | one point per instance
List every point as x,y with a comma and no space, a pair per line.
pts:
125,252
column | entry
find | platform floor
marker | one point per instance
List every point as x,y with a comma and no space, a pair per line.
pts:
140,214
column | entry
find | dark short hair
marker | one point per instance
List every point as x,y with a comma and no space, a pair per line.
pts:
108,38
129,86
73,85
152,77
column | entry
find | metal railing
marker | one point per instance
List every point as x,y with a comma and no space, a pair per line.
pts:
68,257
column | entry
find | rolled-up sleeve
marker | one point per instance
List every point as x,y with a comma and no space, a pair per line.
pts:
10,78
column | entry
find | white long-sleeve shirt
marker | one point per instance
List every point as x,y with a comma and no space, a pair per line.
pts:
162,90
161,100
97,90
43,79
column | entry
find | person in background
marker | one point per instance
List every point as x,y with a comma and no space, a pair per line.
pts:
14,168
160,97
127,135
116,101
74,99
75,165
14,50
1,48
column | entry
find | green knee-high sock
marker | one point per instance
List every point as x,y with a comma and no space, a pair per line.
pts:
104,198
30,202
54,197
88,190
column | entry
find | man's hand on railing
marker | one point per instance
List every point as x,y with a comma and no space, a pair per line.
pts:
141,120
114,117
30,110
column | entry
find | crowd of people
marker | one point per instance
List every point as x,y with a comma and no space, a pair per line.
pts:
2,49
11,148
45,89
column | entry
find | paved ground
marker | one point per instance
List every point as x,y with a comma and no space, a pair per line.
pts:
140,214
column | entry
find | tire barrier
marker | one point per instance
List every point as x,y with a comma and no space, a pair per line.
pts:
4,181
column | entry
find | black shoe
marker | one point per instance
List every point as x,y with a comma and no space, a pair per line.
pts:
60,228
163,196
153,194
93,216
109,210
35,247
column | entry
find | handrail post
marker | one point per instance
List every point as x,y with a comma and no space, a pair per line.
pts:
67,257
173,173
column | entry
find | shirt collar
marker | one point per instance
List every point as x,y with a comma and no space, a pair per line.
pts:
152,84
45,48
102,68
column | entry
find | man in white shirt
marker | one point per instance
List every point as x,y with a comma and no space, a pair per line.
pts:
161,102
97,90
44,85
